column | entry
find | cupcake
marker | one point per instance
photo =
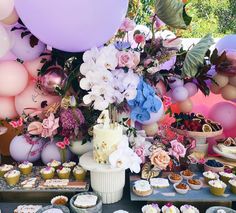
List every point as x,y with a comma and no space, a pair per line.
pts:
225,176
4,169
26,167
12,177
70,164
169,208
63,173
54,164
47,173
208,176
195,184
217,187
79,173
142,188
59,200
188,209
151,208
232,184
187,174
181,188
175,178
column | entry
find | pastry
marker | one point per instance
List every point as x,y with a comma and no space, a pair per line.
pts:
214,166
175,178
187,174
159,182
142,188
29,183
181,188
232,184
210,176
4,169
56,183
225,176
217,187
227,145
70,164
63,173
148,171
85,201
59,200
47,172
169,208
195,184
188,209
151,208
12,177
54,163
26,167
27,208
79,173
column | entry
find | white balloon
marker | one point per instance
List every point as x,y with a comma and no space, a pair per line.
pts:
180,94
5,41
226,43
6,8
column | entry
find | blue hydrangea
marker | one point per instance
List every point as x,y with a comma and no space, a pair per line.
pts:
120,45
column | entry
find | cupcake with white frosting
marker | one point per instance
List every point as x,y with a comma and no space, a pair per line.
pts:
63,173
55,164
79,173
169,208
142,188
4,169
209,175
12,177
217,187
70,164
151,208
188,209
47,172
232,184
225,176
26,167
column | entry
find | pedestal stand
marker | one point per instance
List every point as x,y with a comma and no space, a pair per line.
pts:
105,181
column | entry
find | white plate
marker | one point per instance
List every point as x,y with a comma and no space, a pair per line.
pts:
229,156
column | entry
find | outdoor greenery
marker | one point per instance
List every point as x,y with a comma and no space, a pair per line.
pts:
209,16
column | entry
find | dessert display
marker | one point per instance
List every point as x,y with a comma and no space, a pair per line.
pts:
27,208
169,208
4,169
47,172
54,164
148,172
188,209
142,188
29,183
181,188
227,145
217,187
151,208
195,184
12,177
232,184
63,172
70,164
25,167
210,176
175,178
225,176
79,173
59,200
214,166
187,174
159,182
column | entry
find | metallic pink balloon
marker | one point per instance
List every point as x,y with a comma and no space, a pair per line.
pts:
75,25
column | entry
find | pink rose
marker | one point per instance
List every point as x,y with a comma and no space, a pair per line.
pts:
35,128
61,145
127,25
160,159
50,126
140,152
139,38
177,149
136,59
128,59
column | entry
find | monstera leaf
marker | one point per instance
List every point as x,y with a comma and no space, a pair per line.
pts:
173,13
195,57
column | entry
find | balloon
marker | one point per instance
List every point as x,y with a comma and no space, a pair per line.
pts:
175,82
11,19
192,89
5,41
221,80
160,88
186,106
151,129
52,152
211,73
226,43
180,94
6,7
168,64
229,92
35,65
14,78
23,49
225,114
232,81
215,89
7,108
74,27
202,109
26,149
8,57
78,148
32,98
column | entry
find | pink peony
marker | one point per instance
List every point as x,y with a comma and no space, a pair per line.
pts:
160,159
177,149
139,38
128,59
140,152
50,126
127,25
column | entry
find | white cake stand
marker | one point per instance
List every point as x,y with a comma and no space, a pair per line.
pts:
106,181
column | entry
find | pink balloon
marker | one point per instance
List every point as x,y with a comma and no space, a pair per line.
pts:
7,108
14,78
192,89
31,97
225,114
180,94
201,108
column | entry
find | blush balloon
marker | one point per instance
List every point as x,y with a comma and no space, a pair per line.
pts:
7,108
192,89
180,94
5,41
14,78
186,106
6,7
11,19
201,108
8,57
175,82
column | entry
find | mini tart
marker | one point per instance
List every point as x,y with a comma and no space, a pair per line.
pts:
159,182
195,184
225,177
70,164
4,169
175,178
217,187
12,177
25,167
55,164
208,176
85,201
232,184
47,173
188,209
59,200
181,188
63,173
79,173
187,174
142,188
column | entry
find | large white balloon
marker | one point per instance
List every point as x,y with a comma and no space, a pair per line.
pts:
226,43
5,41
6,8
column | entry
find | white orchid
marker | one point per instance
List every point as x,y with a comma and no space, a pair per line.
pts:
91,55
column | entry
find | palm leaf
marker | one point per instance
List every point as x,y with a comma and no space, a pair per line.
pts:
195,57
172,12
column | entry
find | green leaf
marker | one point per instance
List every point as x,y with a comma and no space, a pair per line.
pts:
195,57
172,12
